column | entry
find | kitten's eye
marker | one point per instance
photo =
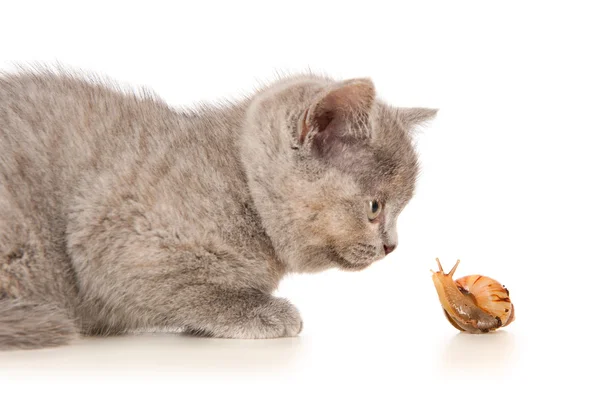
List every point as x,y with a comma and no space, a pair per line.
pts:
373,209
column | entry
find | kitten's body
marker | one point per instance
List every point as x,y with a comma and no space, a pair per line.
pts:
118,212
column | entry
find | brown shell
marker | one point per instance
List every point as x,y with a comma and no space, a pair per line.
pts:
474,303
489,295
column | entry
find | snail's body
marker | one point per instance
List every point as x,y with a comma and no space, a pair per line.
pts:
474,303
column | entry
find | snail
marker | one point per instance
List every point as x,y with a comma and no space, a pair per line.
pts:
474,303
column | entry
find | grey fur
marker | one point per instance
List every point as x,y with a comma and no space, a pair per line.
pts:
118,212
28,325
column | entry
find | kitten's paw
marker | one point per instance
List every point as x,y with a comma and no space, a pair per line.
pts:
277,318
254,315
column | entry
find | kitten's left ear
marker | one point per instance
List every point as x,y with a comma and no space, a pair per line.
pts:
413,117
340,115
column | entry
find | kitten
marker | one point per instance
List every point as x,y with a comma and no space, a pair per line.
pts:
118,212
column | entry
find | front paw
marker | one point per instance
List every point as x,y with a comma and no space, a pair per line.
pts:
276,318
249,315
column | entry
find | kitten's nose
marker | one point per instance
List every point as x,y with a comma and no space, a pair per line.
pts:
388,249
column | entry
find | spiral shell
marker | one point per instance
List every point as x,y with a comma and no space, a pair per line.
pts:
474,303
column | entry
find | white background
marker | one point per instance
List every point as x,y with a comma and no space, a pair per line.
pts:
509,186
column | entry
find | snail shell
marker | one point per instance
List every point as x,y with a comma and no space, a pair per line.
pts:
474,303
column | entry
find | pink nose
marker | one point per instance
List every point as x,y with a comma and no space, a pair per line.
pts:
388,249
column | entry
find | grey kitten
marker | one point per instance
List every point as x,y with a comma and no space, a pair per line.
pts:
118,212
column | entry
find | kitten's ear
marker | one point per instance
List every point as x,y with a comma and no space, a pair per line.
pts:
339,115
413,117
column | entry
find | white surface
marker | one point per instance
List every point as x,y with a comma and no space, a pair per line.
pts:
509,186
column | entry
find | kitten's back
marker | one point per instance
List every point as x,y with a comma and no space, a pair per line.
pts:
55,128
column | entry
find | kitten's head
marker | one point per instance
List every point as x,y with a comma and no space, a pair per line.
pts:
330,168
